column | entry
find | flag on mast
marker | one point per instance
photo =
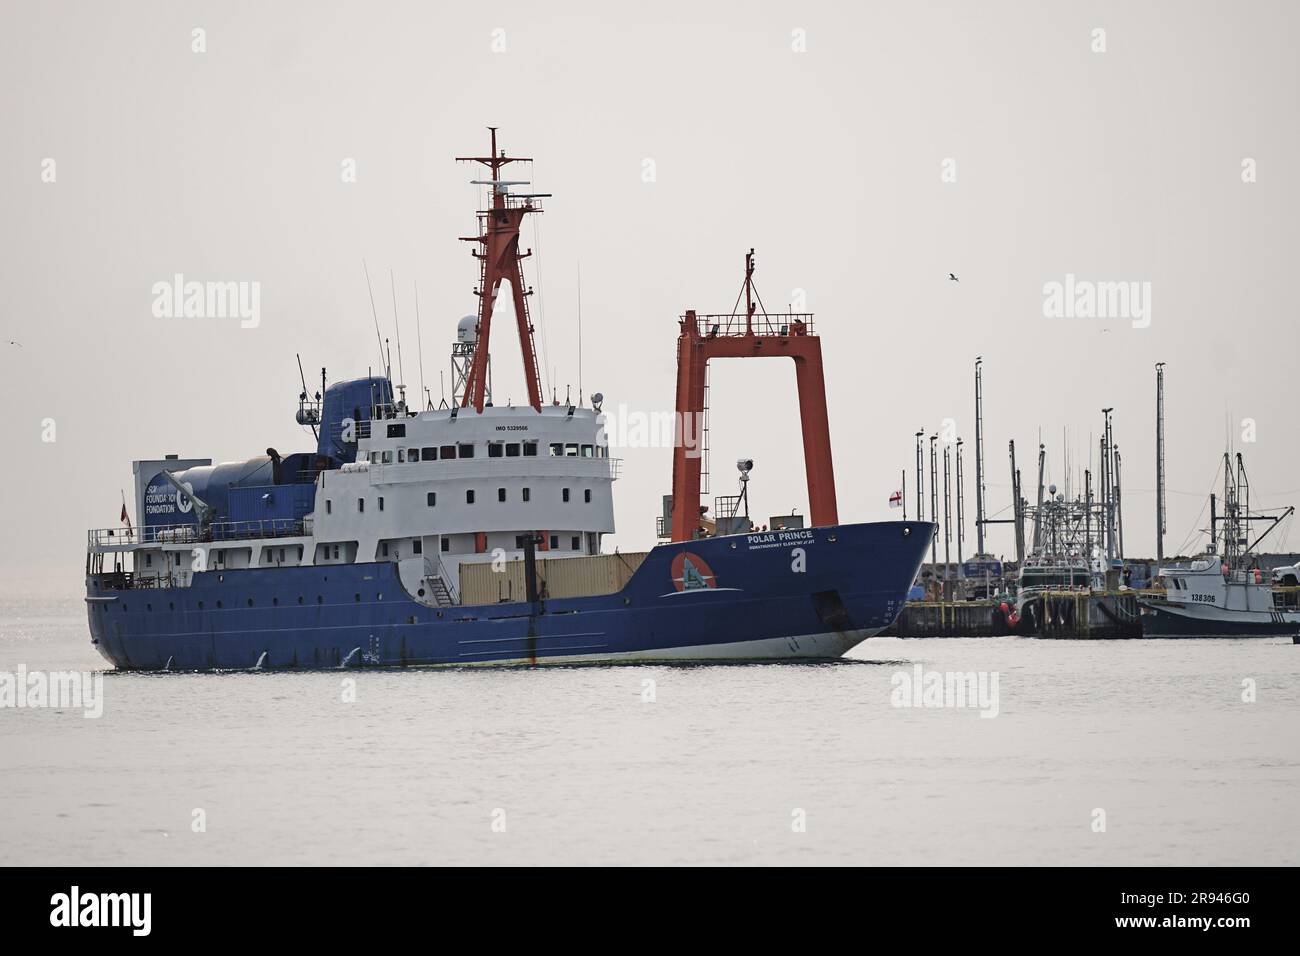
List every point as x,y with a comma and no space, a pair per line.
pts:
896,500
126,518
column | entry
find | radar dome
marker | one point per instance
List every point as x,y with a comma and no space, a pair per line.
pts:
467,330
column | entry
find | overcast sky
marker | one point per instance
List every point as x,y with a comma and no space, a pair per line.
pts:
674,136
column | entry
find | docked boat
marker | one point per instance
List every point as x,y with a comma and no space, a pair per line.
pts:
1224,593
471,533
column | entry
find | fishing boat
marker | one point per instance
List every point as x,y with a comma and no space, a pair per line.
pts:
1224,592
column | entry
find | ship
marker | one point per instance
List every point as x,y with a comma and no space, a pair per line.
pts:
472,533
1224,592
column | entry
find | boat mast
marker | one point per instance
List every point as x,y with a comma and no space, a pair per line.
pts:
1160,461
499,256
979,455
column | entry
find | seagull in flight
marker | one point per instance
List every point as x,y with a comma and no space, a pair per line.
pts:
953,277
19,344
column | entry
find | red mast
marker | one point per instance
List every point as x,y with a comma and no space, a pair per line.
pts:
756,334
500,258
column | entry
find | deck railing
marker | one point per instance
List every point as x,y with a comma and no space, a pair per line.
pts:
191,533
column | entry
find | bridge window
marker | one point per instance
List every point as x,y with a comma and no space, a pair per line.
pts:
530,449
413,454
588,451
501,494
417,546
446,545
401,456
574,543
565,494
397,430
431,499
447,451
386,457
469,496
571,450
512,449
464,450
429,454
555,542
495,449
557,449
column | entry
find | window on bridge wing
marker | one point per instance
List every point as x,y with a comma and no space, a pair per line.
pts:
571,450
512,449
530,449
447,451
413,454
588,451
495,449
429,454
464,450
557,449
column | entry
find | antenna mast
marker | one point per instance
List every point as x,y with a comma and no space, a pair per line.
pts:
1160,461
500,260
979,455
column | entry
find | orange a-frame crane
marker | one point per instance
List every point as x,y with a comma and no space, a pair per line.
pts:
785,335
499,254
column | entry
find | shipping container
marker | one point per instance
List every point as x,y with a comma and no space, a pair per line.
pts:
556,578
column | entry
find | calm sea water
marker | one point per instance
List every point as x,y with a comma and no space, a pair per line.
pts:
576,766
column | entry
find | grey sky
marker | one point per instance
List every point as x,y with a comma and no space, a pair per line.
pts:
1122,165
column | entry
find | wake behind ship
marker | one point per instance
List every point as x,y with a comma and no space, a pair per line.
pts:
471,533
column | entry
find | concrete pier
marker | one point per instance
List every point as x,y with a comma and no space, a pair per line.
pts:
949,619
1080,615
1074,615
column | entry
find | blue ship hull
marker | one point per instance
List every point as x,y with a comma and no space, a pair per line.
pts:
772,596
